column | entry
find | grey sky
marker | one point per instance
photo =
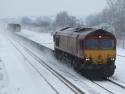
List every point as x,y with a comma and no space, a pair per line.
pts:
15,8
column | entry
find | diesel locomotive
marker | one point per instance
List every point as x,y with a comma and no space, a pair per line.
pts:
13,27
90,51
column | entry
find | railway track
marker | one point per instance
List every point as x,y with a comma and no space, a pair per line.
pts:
34,67
103,87
119,83
49,68
69,84
63,78
112,87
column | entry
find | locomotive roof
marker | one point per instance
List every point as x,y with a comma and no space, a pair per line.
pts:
73,32
76,31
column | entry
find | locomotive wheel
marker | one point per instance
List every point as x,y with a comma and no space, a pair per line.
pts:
76,65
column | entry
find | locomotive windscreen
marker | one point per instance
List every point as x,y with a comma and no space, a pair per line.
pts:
91,44
107,44
99,44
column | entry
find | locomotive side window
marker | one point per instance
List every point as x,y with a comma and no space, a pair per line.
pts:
57,40
91,44
107,43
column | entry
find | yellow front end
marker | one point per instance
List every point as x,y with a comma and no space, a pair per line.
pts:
100,56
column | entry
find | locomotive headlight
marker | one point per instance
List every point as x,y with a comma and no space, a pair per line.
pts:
100,37
113,59
87,59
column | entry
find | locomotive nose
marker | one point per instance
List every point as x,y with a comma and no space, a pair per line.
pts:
99,56
99,59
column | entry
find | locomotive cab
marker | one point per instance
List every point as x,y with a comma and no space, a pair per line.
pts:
100,49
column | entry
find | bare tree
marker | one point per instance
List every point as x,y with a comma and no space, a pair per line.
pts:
114,15
64,19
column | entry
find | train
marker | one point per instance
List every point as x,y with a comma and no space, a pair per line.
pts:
14,27
90,51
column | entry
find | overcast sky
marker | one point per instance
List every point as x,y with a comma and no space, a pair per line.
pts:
16,8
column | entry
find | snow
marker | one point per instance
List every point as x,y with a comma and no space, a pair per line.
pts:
120,51
81,82
16,77
3,76
120,65
120,69
110,86
22,77
46,39
46,75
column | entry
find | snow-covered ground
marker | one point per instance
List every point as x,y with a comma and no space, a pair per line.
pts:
46,39
16,77
20,78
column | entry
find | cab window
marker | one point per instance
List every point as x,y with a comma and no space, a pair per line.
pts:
91,44
107,43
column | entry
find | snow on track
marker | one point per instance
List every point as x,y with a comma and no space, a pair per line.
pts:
53,81
115,89
21,79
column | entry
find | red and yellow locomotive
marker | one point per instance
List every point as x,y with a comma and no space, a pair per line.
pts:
90,51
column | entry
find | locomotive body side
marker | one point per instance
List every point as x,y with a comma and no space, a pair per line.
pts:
66,42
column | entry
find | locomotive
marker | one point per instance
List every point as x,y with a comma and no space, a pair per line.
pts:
90,51
14,27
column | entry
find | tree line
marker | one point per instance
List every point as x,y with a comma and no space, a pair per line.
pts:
62,19
112,16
